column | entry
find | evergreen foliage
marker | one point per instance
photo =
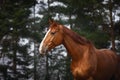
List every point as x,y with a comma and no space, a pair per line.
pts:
14,19
21,33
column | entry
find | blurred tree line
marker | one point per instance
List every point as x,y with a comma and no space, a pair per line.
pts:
21,32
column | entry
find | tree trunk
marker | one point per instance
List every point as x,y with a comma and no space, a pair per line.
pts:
14,59
111,25
47,72
35,71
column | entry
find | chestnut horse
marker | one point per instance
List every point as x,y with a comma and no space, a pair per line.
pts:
88,63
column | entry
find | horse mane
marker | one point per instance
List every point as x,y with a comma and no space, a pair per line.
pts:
77,38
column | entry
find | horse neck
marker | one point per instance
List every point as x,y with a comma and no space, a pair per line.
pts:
75,50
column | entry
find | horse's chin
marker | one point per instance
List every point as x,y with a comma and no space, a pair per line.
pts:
43,53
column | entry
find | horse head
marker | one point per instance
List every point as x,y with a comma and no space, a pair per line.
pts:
53,37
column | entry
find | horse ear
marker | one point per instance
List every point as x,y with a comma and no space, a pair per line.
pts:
51,21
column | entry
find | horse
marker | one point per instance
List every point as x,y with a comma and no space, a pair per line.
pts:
88,62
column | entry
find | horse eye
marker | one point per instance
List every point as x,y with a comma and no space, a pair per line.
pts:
52,33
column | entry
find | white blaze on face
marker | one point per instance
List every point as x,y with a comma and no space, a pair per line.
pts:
42,43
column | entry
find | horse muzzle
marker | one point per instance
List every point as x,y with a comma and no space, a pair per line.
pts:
43,50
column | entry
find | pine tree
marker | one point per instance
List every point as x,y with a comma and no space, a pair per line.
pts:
14,18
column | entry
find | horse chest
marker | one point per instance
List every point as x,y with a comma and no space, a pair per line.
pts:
81,72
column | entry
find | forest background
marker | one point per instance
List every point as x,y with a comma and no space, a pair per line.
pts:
23,24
